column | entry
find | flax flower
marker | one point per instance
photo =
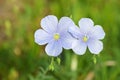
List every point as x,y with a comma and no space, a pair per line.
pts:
87,35
54,34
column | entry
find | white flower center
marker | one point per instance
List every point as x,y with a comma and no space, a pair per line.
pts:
56,36
85,38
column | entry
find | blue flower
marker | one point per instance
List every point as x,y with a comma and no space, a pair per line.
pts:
87,35
54,34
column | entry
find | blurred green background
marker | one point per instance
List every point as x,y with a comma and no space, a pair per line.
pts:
22,59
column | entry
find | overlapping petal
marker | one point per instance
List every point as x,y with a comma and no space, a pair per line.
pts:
64,24
49,23
79,47
66,40
95,46
75,31
42,37
54,48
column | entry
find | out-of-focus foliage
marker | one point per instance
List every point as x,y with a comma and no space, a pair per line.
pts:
22,59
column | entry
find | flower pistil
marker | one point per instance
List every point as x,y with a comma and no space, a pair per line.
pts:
85,38
56,36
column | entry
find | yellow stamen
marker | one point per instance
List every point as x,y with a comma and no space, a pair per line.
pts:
85,39
56,36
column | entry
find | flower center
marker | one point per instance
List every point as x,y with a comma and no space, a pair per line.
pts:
56,36
85,38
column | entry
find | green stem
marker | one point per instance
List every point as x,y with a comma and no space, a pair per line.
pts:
94,59
51,66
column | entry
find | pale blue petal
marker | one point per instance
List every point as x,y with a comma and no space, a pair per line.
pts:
79,47
98,32
53,48
95,46
66,40
86,24
64,24
49,23
75,31
42,37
